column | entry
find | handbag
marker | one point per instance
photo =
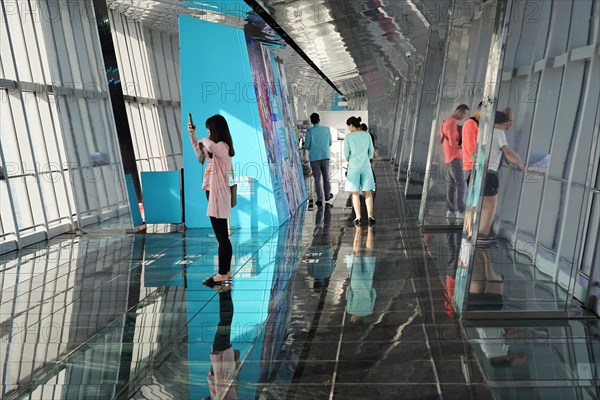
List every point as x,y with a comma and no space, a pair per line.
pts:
233,189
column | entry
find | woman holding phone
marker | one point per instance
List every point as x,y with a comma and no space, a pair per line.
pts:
217,150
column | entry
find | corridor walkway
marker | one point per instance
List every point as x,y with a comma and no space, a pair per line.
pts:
319,309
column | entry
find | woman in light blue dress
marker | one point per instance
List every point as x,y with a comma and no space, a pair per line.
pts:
359,150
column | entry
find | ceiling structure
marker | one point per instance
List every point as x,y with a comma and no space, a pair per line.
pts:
362,46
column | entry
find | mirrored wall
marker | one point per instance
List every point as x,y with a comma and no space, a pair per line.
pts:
530,233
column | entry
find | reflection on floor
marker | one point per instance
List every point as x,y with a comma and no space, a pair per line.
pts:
319,309
502,280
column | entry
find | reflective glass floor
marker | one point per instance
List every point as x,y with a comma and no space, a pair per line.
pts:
503,280
318,309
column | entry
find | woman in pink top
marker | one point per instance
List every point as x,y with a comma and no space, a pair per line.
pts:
217,150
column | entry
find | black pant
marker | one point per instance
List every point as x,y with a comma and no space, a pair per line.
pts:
221,230
223,335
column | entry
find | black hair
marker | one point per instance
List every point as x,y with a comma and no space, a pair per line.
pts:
462,107
314,118
354,121
500,117
364,127
219,131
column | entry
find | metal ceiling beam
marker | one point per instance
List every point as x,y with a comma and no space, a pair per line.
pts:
258,9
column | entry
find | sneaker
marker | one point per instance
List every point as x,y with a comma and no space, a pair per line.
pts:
450,214
372,221
460,215
329,197
357,222
319,203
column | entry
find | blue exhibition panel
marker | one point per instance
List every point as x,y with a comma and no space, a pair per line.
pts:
162,197
216,79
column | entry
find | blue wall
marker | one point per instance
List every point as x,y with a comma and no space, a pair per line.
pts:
216,79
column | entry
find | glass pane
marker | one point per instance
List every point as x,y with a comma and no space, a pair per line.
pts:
6,213
21,203
35,200
47,182
12,20
537,360
30,25
6,59
526,240
591,251
463,82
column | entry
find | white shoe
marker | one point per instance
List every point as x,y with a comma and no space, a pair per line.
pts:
449,214
460,215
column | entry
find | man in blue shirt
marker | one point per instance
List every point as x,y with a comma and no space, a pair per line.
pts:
318,142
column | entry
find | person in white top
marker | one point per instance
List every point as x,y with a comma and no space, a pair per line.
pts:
490,192
495,347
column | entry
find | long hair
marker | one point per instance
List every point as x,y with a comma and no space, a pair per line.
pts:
219,131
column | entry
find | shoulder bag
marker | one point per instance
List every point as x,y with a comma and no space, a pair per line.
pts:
233,188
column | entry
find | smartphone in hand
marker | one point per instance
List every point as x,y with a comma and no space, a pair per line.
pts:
191,126
191,121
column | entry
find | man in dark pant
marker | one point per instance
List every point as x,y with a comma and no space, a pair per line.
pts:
455,201
317,142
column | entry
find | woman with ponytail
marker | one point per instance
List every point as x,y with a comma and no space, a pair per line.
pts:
359,150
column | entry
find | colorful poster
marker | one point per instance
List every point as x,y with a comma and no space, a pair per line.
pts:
292,166
278,124
261,75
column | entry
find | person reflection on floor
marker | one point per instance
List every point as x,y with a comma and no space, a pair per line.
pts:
496,348
453,248
487,286
223,357
320,264
360,295
486,294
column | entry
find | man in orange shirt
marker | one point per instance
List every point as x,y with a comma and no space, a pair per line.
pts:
469,142
455,197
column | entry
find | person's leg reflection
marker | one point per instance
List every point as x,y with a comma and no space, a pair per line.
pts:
487,286
369,204
356,205
319,217
369,243
223,357
488,212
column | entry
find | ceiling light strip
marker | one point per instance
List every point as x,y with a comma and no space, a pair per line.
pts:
281,32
